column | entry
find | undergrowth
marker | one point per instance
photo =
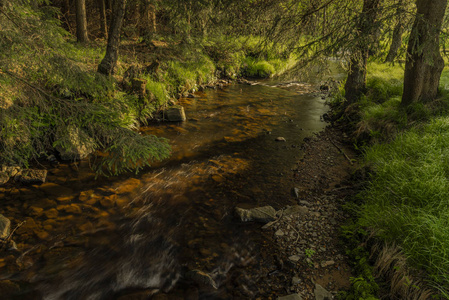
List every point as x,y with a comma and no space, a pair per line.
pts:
406,200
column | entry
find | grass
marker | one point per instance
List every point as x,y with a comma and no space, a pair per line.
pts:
406,202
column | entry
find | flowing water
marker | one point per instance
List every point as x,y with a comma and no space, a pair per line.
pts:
90,239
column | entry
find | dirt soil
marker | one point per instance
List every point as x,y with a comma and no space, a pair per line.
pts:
303,253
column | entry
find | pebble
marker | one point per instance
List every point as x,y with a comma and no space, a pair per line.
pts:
294,258
279,233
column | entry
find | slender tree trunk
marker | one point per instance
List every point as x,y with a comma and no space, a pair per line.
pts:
356,82
148,19
109,61
324,22
81,21
396,40
424,62
103,19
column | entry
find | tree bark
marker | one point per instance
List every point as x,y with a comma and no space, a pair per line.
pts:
81,21
103,19
396,40
356,82
109,61
148,19
424,62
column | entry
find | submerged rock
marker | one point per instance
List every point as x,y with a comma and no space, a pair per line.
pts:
263,214
5,227
175,114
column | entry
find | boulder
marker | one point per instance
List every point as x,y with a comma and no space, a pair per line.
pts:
77,144
175,114
5,227
32,176
263,214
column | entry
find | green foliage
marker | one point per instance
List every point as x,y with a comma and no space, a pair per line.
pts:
364,285
185,76
407,200
259,69
52,98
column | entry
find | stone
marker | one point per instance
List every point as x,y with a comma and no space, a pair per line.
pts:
321,293
294,258
108,201
85,195
290,297
35,211
11,171
328,263
4,178
175,114
280,139
5,227
201,278
263,214
296,280
77,144
70,209
279,232
32,176
296,192
51,213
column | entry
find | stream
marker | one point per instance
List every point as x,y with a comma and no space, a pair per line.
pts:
97,239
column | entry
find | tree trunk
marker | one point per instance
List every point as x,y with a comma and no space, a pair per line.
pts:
396,40
148,19
424,62
103,20
81,21
109,61
356,82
